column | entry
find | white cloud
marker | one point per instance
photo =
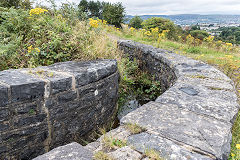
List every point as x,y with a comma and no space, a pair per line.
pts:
162,7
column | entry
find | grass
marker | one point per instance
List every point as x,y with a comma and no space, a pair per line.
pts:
102,156
134,128
153,154
110,143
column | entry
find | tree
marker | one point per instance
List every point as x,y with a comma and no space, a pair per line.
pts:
114,13
83,6
162,24
91,8
136,22
195,27
95,9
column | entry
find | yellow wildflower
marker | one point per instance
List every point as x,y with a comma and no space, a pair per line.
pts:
104,22
37,11
93,23
132,29
148,33
30,49
232,154
238,146
229,44
38,50
229,56
155,30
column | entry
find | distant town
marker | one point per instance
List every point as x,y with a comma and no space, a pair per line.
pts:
211,28
210,23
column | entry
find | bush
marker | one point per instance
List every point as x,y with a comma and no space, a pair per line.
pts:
136,22
162,24
44,38
199,34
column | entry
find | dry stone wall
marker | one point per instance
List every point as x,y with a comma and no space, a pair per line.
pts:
192,119
46,107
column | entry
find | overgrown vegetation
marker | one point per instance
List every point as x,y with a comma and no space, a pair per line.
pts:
43,37
136,83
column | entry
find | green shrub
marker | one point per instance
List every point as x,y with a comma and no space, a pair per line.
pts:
162,24
199,34
135,82
136,22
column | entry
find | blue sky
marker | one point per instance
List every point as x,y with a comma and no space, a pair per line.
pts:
167,7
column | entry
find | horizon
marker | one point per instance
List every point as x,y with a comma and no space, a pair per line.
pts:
185,14
174,7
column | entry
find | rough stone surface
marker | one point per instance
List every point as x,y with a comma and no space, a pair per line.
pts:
72,151
46,107
167,148
205,133
125,153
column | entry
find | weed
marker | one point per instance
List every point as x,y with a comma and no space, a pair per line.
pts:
134,128
111,143
153,154
32,112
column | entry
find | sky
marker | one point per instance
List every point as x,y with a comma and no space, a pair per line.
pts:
171,7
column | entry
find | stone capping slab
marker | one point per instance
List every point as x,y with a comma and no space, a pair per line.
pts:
27,84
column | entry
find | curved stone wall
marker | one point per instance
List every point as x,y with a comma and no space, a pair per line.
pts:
192,119
195,114
46,107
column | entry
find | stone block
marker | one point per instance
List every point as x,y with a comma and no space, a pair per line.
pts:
86,72
4,115
22,86
73,151
3,95
29,120
67,97
4,126
29,108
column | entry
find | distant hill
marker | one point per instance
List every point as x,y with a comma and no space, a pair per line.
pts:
188,19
